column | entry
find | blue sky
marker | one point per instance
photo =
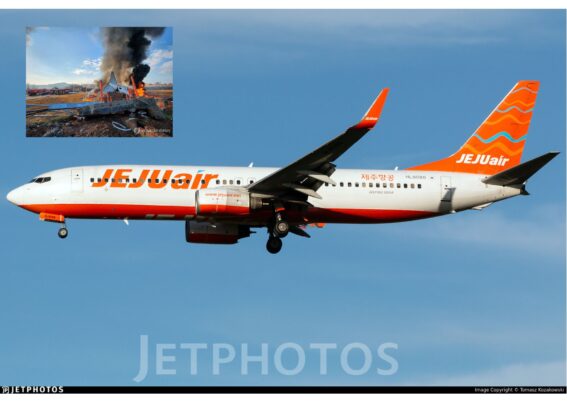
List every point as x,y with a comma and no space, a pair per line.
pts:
73,54
472,297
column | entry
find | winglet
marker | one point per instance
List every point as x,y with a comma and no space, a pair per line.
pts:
371,117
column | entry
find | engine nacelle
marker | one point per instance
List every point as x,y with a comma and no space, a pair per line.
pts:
204,232
224,202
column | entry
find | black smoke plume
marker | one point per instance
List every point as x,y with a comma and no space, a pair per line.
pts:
139,72
125,49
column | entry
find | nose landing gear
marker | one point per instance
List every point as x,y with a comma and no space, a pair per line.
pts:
50,217
63,232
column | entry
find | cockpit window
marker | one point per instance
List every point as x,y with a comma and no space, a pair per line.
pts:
40,180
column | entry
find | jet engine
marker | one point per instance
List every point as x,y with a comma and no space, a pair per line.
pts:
204,232
225,202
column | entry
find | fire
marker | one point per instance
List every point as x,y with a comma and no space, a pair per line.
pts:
140,91
138,88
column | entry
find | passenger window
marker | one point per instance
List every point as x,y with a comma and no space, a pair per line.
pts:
419,186
92,180
251,181
341,184
99,180
326,184
349,184
134,180
356,184
231,182
238,182
391,185
202,181
398,185
224,181
363,184
218,181
369,184
412,185
405,185
385,185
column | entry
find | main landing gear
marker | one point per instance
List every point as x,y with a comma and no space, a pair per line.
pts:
274,244
277,230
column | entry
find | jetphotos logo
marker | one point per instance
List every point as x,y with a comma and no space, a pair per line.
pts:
287,359
479,159
153,178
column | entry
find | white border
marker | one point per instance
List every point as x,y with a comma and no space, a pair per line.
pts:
288,4
285,4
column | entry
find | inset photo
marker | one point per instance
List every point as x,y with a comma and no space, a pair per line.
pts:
99,82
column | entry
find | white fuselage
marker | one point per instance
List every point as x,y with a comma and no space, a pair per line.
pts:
168,192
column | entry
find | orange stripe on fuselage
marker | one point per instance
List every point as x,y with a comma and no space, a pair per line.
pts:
319,215
113,211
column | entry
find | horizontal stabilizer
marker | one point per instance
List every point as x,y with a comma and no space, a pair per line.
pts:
520,173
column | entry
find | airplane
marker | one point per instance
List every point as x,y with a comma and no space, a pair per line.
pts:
221,205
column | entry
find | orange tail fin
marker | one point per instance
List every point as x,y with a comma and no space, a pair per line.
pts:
499,141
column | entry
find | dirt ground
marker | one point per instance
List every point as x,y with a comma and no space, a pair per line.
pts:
48,99
66,123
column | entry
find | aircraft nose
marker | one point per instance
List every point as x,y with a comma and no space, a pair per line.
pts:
14,196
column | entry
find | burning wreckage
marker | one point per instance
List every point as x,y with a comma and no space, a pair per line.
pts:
120,99
115,99
125,107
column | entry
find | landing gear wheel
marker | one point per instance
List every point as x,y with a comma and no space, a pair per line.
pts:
274,245
63,232
281,228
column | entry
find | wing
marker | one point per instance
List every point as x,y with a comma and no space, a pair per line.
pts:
303,177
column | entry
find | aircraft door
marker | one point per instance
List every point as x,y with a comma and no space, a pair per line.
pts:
447,193
76,180
446,188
